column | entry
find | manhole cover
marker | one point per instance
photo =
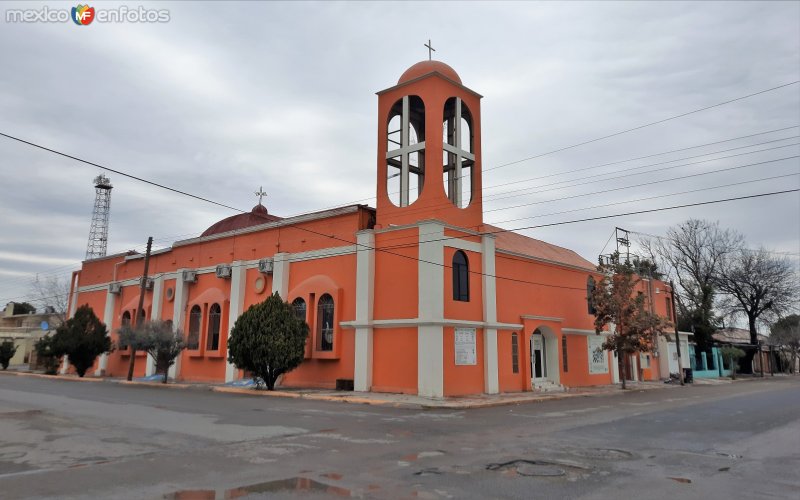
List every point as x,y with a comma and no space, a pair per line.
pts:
541,470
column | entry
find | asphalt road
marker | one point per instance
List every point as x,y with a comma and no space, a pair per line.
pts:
64,439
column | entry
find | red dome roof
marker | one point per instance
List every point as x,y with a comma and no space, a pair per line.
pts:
258,215
426,67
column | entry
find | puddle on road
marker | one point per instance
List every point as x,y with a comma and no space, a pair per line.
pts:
299,485
681,480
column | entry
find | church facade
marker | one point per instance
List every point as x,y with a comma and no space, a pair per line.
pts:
417,295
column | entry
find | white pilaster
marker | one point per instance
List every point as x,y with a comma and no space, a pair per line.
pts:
365,292
108,319
280,275
490,363
430,347
238,281
155,315
179,317
71,313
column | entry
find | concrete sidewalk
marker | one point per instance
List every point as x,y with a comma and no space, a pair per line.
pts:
373,398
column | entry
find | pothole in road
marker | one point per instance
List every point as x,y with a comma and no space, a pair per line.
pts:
541,468
603,453
295,484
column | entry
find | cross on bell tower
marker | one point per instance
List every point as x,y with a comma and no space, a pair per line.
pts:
430,49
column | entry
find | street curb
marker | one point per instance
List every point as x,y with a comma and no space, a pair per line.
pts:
452,404
72,378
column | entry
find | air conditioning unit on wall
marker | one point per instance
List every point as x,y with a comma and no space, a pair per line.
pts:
223,271
115,288
189,276
149,284
266,266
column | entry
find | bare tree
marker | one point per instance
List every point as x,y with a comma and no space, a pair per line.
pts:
785,333
761,285
691,254
51,294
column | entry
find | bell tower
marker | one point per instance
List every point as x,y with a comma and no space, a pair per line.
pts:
429,149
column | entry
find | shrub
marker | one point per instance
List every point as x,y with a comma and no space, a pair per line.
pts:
82,338
7,351
268,340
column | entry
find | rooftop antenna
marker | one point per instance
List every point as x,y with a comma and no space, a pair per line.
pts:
98,233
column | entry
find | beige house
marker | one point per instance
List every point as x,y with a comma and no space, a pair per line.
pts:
24,330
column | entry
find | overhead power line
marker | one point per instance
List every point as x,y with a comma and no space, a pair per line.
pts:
537,226
583,181
118,172
642,126
617,162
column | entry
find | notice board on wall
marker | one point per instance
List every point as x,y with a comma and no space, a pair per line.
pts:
466,353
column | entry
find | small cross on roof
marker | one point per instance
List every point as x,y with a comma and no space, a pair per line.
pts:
260,193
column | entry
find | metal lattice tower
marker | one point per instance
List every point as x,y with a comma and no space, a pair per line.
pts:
98,233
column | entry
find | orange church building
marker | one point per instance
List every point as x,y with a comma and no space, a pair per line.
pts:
416,295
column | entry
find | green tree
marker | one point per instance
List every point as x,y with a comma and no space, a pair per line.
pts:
157,339
617,302
45,355
24,308
733,355
82,338
786,333
268,340
7,351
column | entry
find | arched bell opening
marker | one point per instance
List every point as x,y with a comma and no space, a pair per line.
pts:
405,151
458,158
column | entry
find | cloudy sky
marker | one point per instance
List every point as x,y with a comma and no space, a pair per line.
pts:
227,97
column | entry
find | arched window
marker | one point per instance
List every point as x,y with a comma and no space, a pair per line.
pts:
193,338
299,306
405,151
168,325
214,316
325,323
460,277
590,286
126,321
514,353
458,158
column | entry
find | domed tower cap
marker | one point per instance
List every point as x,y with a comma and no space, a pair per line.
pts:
426,67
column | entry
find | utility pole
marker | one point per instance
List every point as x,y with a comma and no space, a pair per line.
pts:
677,335
142,289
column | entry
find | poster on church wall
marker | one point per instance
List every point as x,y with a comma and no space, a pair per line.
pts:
598,358
465,346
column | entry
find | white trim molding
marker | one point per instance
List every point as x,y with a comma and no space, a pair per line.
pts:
416,322
542,318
